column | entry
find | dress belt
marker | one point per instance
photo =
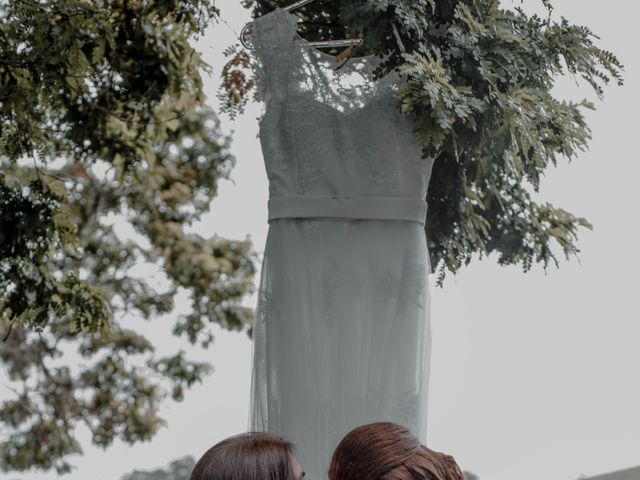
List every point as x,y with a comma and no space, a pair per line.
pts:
360,207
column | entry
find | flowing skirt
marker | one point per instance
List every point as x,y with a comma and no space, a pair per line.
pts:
342,334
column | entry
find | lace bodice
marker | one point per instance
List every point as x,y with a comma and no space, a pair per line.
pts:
328,132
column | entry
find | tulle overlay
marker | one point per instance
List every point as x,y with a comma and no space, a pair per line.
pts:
342,333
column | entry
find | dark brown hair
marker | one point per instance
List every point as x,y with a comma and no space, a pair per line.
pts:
387,451
250,456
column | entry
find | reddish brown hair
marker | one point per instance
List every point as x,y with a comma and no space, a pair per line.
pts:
387,451
250,456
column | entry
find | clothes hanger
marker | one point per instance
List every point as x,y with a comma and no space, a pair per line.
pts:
321,44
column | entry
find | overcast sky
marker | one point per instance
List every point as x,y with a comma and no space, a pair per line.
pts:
534,376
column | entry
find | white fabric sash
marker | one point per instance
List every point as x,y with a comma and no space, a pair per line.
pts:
361,207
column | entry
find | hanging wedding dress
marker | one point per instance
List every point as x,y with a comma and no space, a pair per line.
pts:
342,334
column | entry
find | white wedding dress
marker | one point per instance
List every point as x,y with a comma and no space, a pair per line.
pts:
342,333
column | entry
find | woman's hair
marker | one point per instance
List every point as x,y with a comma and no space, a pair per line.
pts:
250,456
387,451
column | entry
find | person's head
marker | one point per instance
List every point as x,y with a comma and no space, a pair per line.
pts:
387,451
250,456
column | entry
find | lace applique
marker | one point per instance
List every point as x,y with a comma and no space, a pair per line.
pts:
383,173
264,304
406,403
389,287
310,226
308,174
383,170
413,282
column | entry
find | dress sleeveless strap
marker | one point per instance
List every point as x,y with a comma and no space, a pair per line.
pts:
272,44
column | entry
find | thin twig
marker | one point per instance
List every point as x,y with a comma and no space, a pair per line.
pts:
4,339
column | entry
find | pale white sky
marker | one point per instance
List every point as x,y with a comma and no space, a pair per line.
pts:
533,376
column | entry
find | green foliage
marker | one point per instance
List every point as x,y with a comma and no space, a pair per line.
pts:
480,92
32,229
103,125
178,470
478,86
